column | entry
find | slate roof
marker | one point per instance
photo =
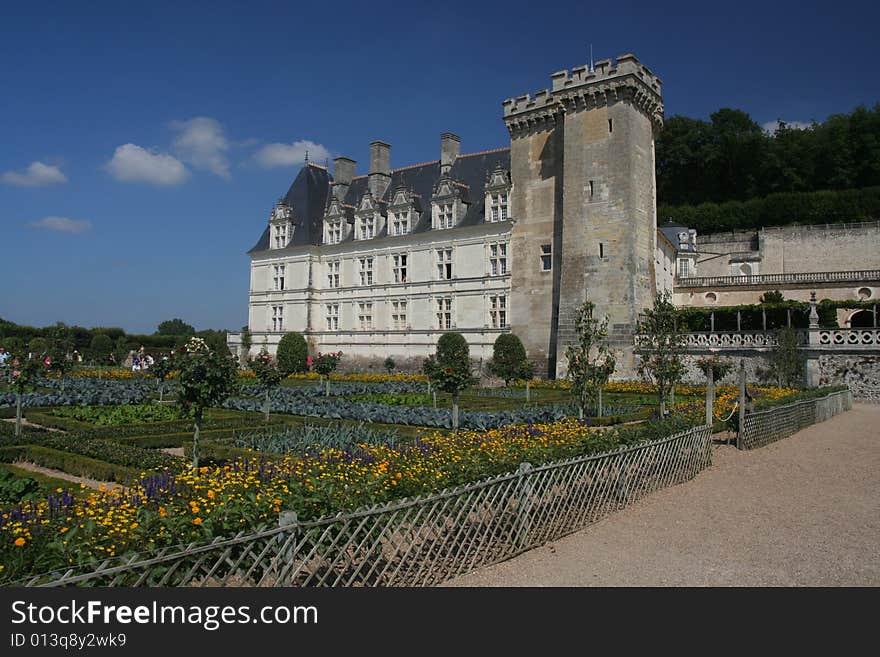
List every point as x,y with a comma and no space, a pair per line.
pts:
309,193
670,231
308,198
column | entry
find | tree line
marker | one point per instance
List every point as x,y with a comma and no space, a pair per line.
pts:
101,345
732,158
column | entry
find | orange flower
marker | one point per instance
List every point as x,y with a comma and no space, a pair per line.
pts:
197,521
19,542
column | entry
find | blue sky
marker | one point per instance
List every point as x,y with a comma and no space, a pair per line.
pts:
142,147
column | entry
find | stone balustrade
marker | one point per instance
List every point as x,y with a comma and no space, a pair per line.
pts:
861,276
816,339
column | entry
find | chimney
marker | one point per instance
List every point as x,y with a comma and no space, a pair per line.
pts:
380,168
450,147
343,172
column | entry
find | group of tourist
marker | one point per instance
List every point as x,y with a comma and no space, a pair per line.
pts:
141,361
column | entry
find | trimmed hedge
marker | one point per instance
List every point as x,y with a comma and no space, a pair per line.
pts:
819,207
73,464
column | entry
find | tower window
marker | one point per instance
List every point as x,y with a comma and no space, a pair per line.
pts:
601,249
277,318
610,125
546,257
591,189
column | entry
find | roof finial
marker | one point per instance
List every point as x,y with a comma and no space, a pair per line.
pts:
592,70
307,157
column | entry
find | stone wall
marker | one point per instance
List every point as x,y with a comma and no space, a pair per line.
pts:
860,373
793,249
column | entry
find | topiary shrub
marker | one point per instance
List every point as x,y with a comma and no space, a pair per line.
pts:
292,353
453,351
509,360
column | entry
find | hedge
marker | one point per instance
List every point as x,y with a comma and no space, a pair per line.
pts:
73,464
819,207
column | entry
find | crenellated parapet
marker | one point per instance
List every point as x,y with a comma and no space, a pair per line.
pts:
625,79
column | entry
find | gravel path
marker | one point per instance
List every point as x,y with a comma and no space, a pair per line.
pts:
59,474
804,511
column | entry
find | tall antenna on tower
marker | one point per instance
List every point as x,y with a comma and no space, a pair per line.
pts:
592,70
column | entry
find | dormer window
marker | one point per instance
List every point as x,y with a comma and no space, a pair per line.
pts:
400,223
445,216
498,188
498,207
280,228
367,227
280,236
334,232
449,204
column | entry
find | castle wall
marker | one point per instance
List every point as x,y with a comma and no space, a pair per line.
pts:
792,249
536,170
609,228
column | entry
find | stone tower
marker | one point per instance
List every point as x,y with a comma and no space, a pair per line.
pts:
582,166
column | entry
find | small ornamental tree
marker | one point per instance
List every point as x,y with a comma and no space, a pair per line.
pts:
590,361
389,365
660,347
268,375
292,354
428,367
100,349
25,373
161,369
509,361
39,347
207,378
325,365
786,360
452,372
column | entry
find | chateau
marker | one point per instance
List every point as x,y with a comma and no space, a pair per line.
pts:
507,240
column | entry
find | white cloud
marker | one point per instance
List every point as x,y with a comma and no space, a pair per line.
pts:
772,126
131,163
282,155
202,143
36,175
63,224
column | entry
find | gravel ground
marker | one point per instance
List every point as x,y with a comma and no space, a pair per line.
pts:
804,511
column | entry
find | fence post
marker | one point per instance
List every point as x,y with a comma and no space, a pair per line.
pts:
287,555
710,394
524,504
742,403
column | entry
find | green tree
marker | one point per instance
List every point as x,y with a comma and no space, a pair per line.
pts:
451,371
772,296
162,369
590,361
389,365
25,373
175,327
660,347
100,349
787,361
292,354
509,360
325,365
268,375
207,378
39,347
121,350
